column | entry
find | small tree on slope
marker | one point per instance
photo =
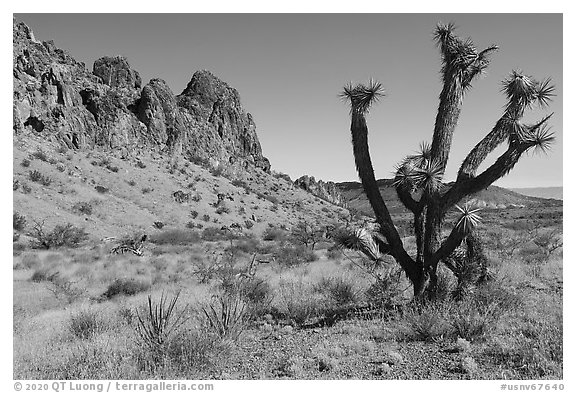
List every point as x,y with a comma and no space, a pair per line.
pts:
419,178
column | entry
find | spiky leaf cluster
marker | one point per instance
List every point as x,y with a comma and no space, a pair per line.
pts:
523,91
461,60
362,96
468,219
420,172
361,239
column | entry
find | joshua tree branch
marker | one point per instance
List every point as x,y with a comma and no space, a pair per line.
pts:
409,203
448,246
503,165
482,149
365,170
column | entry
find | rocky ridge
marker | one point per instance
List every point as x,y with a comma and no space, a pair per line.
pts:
325,190
57,96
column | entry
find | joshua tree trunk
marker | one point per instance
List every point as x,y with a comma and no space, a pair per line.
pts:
419,178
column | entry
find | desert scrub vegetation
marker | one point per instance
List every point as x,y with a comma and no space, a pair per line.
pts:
86,324
62,235
18,222
274,234
40,154
82,208
293,255
226,315
37,177
126,287
168,342
176,237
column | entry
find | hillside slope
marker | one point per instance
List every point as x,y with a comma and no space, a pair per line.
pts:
492,198
126,195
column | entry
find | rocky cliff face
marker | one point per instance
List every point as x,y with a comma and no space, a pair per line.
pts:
57,96
325,190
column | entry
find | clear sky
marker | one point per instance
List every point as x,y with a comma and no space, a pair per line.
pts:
289,69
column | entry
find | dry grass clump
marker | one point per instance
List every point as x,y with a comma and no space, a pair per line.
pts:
126,287
85,324
294,255
176,237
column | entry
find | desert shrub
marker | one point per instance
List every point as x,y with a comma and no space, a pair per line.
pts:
40,155
101,189
15,185
112,168
271,234
297,302
196,197
472,320
198,160
204,270
498,297
60,167
140,164
176,237
239,183
222,208
386,290
103,161
294,255
307,234
218,170
86,324
43,275
336,289
17,248
158,224
131,183
426,322
146,190
127,287
213,234
333,253
64,289
257,292
247,246
30,260
272,199
194,214
206,218
26,189
38,177
62,149
248,224
26,163
82,208
18,221
61,236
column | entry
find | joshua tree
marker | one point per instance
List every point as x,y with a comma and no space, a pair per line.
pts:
419,178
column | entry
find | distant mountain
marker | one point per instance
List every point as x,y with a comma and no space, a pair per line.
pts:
492,198
541,192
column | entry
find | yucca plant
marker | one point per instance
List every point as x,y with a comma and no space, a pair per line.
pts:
160,323
419,178
226,315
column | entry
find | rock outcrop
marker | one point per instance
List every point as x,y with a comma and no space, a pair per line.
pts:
325,190
57,96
